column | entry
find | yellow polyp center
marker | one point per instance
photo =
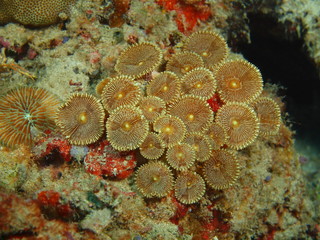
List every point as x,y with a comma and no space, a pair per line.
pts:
155,178
205,54
198,85
83,118
151,145
189,184
186,69
190,117
217,165
179,155
140,63
165,88
126,126
167,130
150,109
196,147
120,95
234,83
235,123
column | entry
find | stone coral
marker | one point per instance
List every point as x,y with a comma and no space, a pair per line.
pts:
25,113
34,12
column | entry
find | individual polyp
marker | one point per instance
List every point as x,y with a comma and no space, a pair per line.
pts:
139,59
240,123
238,81
189,187
200,144
171,129
209,45
152,146
154,179
152,107
127,128
81,119
199,82
166,85
183,62
120,91
269,115
23,110
221,170
195,112
181,156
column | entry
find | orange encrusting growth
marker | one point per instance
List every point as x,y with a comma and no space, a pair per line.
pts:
25,112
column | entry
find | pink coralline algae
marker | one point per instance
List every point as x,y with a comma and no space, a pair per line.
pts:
104,160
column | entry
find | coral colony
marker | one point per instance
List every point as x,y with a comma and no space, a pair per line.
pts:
158,150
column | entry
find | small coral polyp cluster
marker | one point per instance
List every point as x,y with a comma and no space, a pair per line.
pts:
189,120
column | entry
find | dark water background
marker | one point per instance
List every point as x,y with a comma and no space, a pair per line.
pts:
283,59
